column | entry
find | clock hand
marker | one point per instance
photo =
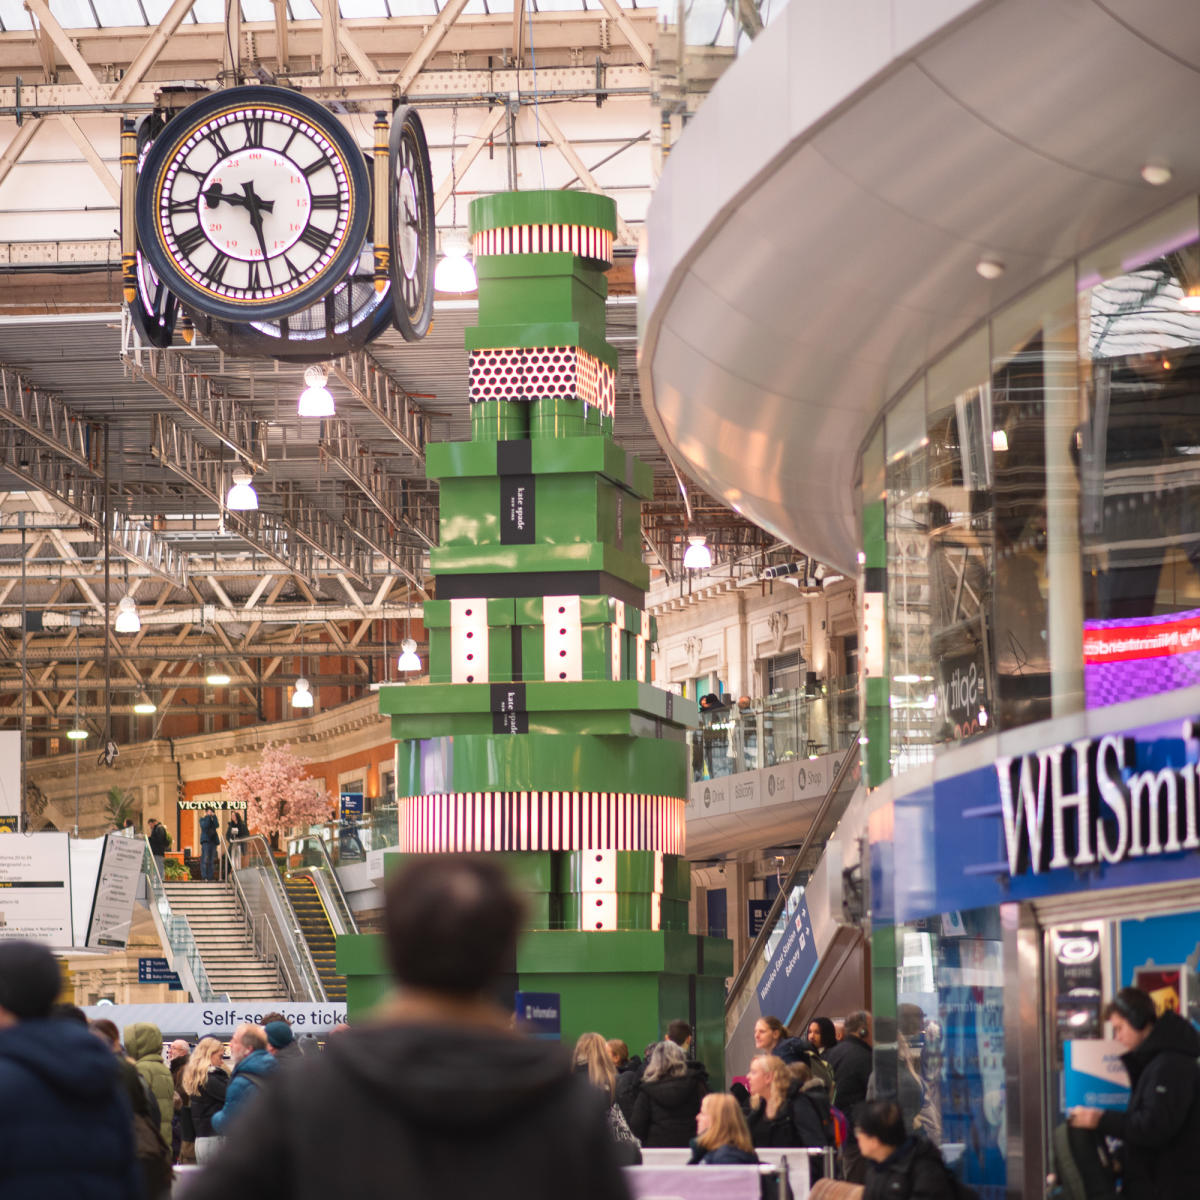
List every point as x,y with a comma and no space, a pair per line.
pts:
214,195
254,205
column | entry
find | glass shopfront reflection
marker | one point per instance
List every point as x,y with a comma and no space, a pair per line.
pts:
1041,500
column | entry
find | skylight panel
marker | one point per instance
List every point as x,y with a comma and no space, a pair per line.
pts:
74,14
303,10
413,8
258,10
209,12
13,16
559,5
363,8
115,13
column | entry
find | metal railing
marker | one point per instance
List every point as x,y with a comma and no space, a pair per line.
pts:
270,916
824,823
307,855
175,934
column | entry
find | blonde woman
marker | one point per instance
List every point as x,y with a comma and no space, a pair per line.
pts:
780,1113
722,1138
593,1060
204,1082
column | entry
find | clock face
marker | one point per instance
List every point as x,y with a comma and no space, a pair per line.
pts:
411,226
154,309
253,203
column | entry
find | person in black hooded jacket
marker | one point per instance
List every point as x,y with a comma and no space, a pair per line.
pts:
664,1113
901,1167
438,1095
1160,1128
66,1128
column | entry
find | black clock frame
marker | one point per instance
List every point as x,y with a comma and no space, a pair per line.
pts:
165,148
412,298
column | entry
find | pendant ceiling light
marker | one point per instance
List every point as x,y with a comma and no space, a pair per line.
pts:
215,677
302,696
408,660
242,496
697,557
316,400
143,705
127,619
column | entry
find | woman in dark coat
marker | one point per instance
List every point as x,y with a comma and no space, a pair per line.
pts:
664,1113
902,1167
1160,1128
781,1114
205,1081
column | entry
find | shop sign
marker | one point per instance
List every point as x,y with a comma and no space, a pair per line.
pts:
757,911
215,805
1079,804
961,694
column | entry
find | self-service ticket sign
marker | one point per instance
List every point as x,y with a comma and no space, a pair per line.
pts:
1093,1074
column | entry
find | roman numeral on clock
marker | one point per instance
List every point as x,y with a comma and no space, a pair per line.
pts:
215,271
217,140
318,239
190,239
326,200
255,125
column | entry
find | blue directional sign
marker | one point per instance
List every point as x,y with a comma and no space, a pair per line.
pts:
158,970
539,1014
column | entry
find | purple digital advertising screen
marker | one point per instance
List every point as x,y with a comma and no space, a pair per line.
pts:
1128,657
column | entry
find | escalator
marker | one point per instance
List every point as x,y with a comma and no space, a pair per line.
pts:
317,930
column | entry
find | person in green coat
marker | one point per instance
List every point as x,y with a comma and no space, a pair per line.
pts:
144,1044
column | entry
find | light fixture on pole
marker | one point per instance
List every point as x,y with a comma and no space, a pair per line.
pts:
302,696
242,496
408,660
316,400
77,733
454,272
143,705
697,557
215,677
127,619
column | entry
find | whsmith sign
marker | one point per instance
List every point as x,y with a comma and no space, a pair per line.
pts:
1081,803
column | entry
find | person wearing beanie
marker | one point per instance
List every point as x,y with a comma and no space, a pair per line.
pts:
59,1087
281,1043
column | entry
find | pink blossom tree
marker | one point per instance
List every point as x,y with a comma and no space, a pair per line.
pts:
278,792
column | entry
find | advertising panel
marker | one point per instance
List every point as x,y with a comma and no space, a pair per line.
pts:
35,888
1128,657
1093,1074
116,889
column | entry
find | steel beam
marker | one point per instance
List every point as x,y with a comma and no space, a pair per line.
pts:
429,43
385,399
43,416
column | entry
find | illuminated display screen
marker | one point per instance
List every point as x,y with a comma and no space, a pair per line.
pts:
1128,657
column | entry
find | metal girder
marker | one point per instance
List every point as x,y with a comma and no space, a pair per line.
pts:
356,461
178,380
45,417
151,48
88,151
24,135
631,35
467,88
328,535
382,536
49,472
429,43
180,452
471,150
385,399
334,35
580,168
67,48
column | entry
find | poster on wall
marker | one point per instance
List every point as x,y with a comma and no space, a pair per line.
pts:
116,889
1093,1074
35,888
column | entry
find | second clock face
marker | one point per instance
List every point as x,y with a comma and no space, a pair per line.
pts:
252,203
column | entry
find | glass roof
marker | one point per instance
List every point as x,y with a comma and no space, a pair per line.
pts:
102,14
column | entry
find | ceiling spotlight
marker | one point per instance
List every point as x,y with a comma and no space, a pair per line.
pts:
1190,300
127,619
76,734
316,400
999,440
697,557
455,272
242,496
408,660
302,696
144,706
1156,174
215,677
990,268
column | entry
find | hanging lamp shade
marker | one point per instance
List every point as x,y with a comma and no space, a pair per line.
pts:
408,660
302,696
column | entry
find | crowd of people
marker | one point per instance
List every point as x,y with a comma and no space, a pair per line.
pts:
440,1091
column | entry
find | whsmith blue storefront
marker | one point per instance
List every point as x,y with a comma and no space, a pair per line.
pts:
1038,872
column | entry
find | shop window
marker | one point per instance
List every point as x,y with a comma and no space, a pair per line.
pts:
784,673
947,1070
1137,454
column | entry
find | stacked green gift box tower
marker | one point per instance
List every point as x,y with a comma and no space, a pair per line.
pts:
539,736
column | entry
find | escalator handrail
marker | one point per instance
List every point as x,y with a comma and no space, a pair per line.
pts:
290,937
768,926
328,881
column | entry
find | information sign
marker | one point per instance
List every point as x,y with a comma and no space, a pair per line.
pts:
116,890
540,1014
158,970
35,888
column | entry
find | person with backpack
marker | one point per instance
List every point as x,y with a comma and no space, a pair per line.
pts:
901,1166
781,1112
